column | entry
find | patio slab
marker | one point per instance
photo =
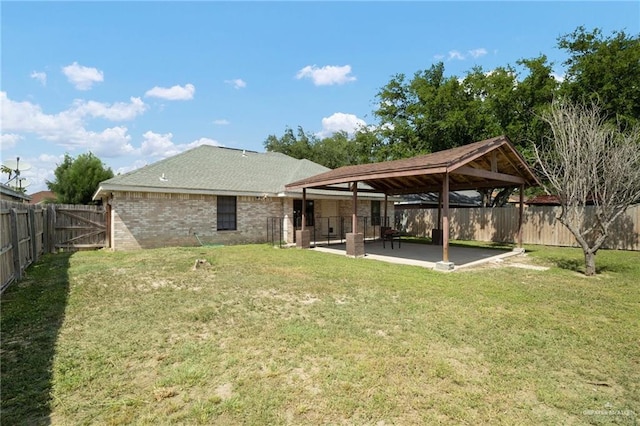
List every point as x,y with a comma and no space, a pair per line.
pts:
424,255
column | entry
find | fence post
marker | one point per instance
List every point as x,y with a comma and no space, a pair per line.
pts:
32,229
51,228
15,242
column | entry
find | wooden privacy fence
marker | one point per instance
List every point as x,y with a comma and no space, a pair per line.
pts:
28,231
501,225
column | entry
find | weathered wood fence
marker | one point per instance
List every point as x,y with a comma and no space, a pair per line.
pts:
501,225
29,231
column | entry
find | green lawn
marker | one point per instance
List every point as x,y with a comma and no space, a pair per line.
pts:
287,336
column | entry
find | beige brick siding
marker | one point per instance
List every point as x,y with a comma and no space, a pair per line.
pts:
150,220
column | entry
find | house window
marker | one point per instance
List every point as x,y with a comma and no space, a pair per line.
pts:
226,213
375,213
297,213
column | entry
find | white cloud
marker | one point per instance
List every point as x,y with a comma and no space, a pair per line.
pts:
157,145
40,76
476,53
221,122
66,128
174,93
454,54
327,75
340,121
118,111
237,83
161,145
9,140
459,56
559,78
82,77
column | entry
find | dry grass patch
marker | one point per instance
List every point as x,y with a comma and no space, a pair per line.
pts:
266,336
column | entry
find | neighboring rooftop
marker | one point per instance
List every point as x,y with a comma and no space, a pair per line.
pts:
8,193
42,197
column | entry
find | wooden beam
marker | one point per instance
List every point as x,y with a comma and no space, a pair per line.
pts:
385,211
521,216
445,218
486,174
354,216
304,208
439,225
368,177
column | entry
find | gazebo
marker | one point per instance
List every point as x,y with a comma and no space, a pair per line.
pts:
491,163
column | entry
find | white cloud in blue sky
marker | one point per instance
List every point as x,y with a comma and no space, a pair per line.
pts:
103,77
173,93
40,76
459,56
327,75
118,111
159,145
340,121
83,78
237,83
477,53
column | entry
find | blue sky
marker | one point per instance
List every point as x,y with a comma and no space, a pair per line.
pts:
135,82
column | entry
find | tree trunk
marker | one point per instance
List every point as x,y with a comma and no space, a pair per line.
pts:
589,263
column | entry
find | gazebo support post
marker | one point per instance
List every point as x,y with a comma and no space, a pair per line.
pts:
303,236
445,265
355,240
521,217
386,222
436,234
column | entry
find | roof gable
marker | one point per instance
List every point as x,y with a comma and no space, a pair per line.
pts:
490,163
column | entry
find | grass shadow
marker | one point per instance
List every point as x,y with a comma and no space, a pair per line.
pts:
31,314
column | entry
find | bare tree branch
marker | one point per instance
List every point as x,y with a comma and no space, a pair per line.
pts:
589,161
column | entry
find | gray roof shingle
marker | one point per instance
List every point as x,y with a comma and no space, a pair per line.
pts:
209,169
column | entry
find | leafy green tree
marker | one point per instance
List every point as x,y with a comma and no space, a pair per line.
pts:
76,180
333,151
605,70
295,146
428,113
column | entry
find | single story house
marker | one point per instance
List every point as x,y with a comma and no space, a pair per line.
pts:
227,196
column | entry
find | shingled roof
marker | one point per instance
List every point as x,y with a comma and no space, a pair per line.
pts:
210,169
485,164
216,170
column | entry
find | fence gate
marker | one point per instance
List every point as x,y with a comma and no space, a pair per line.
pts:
79,227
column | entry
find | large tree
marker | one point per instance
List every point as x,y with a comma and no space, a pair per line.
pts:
604,69
77,179
336,150
589,161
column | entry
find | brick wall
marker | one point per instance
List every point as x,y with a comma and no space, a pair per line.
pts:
148,220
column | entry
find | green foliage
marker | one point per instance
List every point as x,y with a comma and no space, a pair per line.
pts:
334,151
76,180
605,70
431,111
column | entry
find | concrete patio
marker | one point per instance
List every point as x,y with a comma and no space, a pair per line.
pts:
423,255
